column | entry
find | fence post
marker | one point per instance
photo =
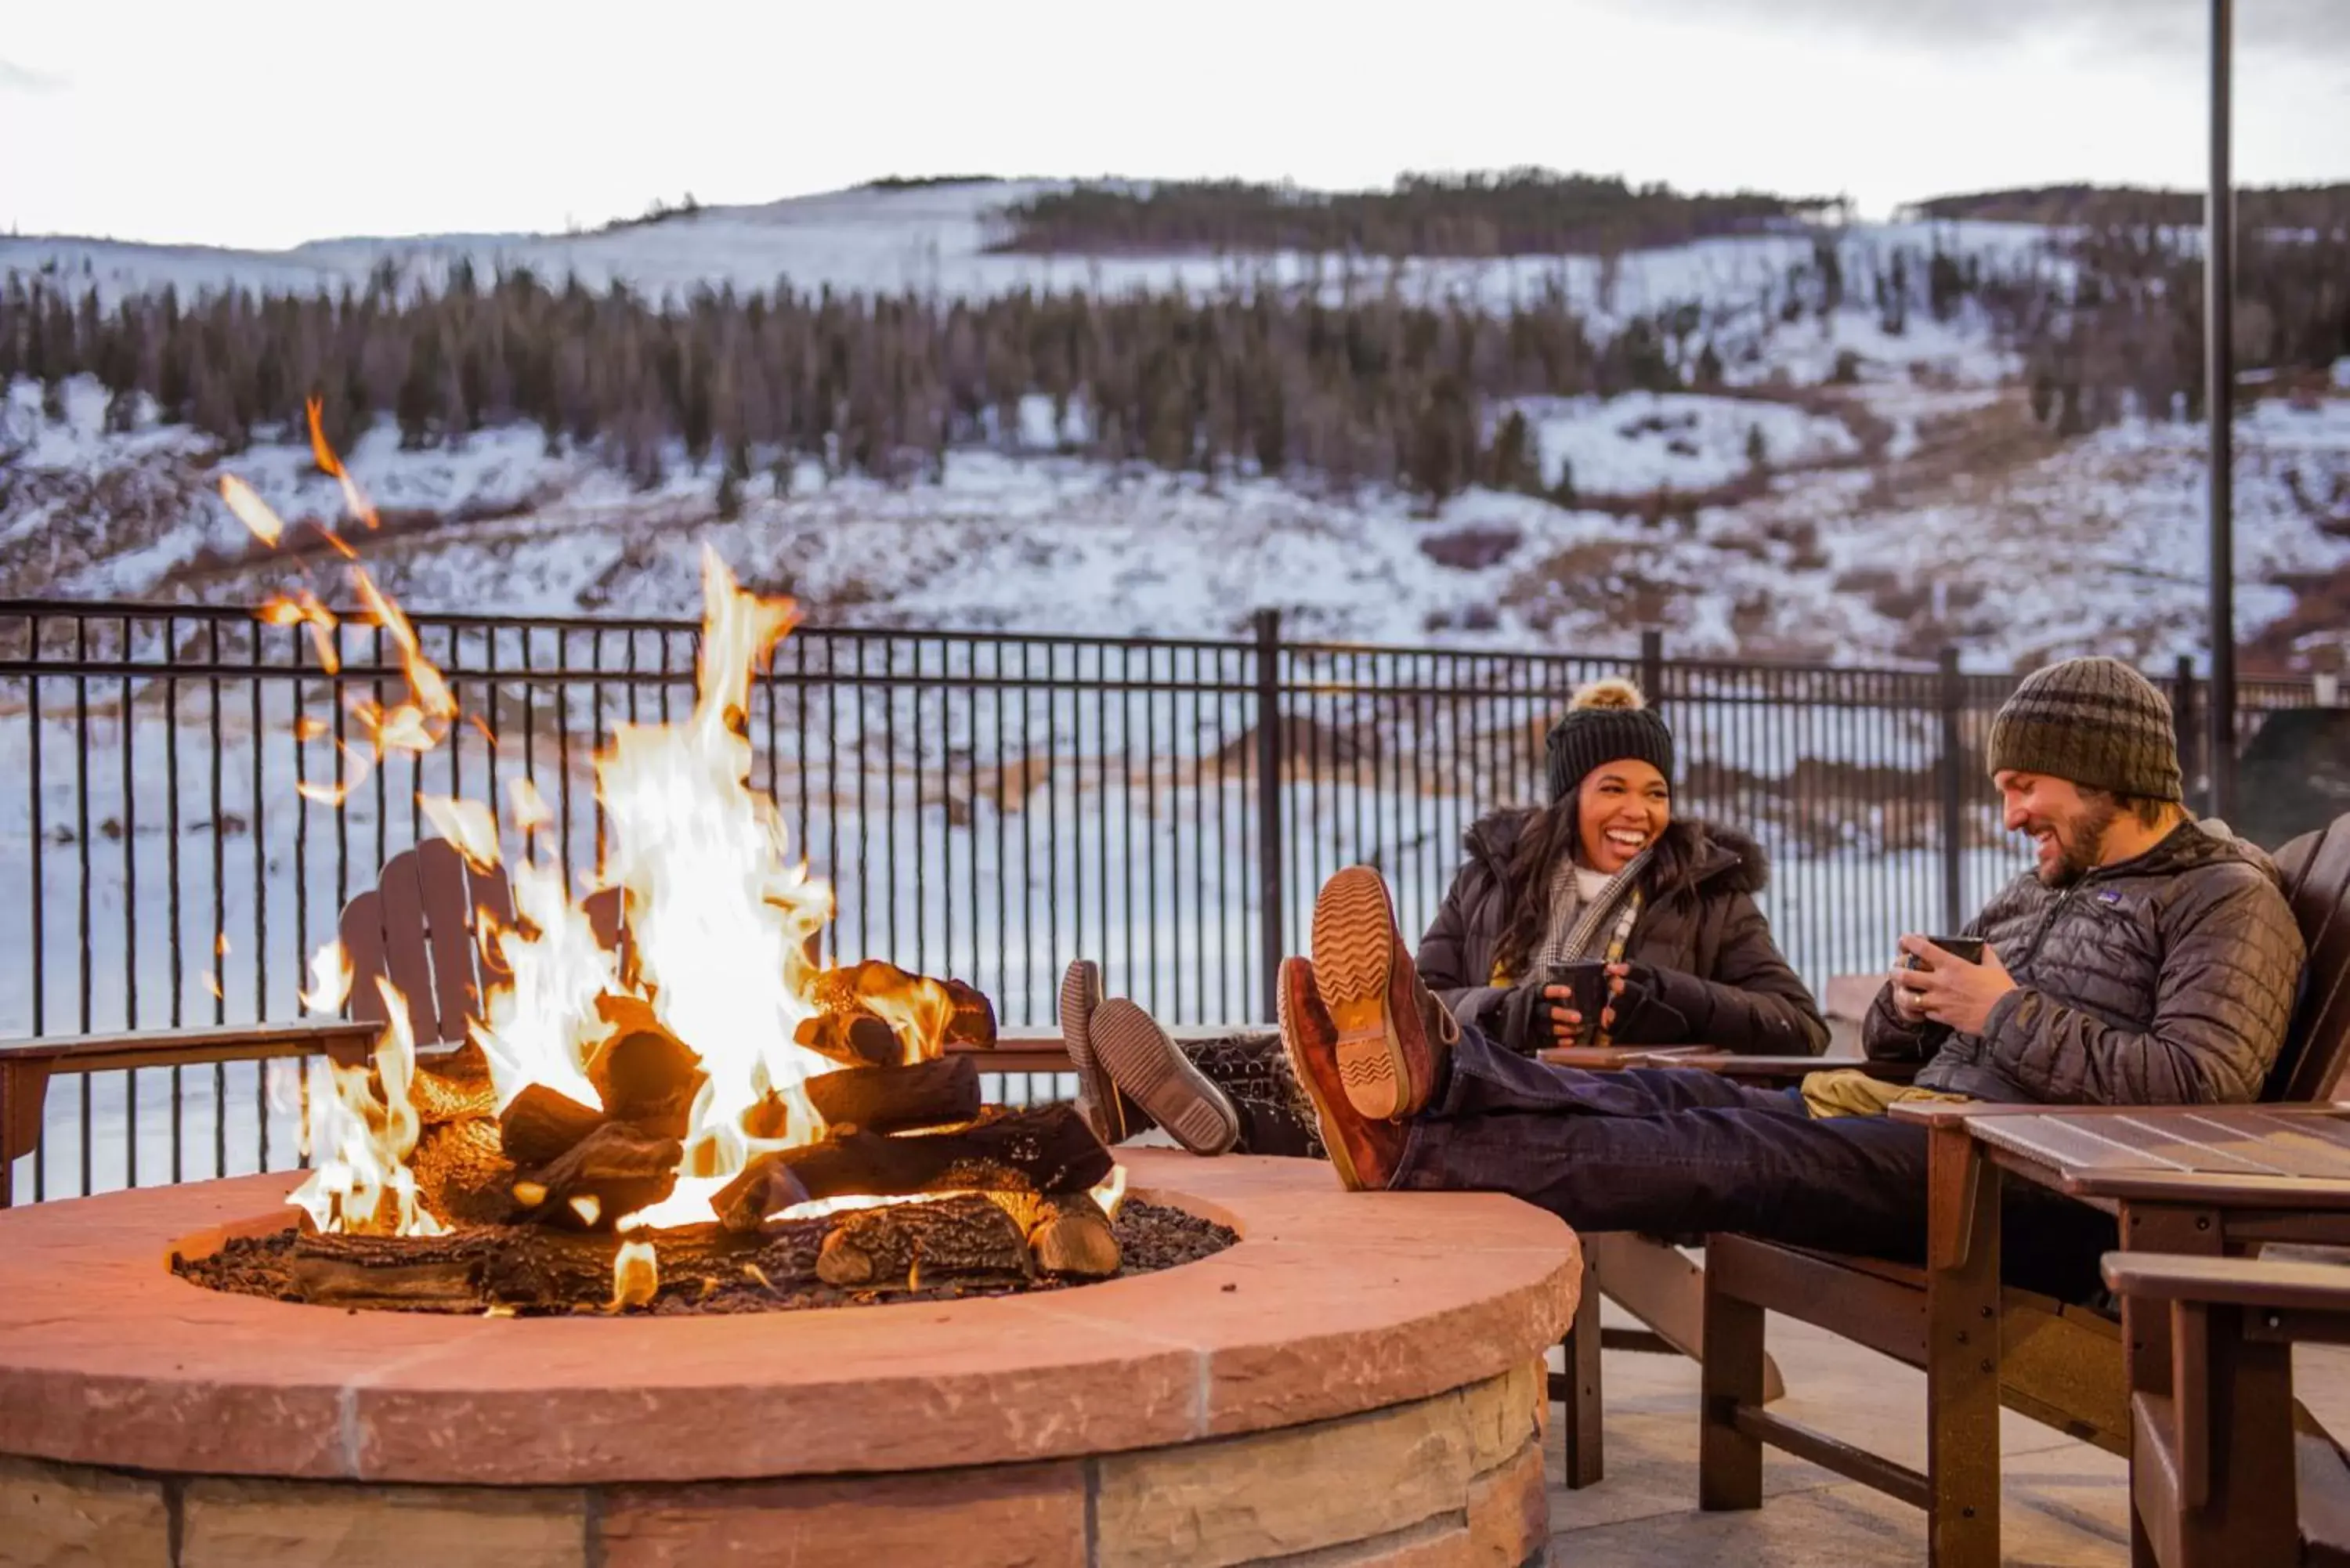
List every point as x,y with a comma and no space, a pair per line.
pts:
2183,729
1954,802
1652,666
1269,754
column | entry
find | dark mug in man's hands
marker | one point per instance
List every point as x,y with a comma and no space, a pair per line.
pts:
1966,949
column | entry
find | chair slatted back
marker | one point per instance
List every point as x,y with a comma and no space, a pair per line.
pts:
420,930
2316,868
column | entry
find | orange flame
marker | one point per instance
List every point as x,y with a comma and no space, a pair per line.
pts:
324,456
330,979
362,1140
426,686
251,510
1110,1193
636,1268
467,824
527,806
303,608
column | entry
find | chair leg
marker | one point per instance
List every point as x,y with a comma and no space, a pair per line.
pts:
1653,1281
1729,1462
1578,1390
1962,1358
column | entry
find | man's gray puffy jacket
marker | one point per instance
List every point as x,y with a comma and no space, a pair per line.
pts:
2166,980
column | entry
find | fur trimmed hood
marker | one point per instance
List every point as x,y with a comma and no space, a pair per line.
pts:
1692,853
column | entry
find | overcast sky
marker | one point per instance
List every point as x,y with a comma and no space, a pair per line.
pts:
236,122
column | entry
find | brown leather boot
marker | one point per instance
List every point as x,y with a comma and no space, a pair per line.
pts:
1153,1072
1392,1033
1366,1149
1097,1101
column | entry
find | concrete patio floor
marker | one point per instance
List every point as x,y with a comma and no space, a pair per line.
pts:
2064,1504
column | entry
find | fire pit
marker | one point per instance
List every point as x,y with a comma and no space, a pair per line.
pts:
1358,1371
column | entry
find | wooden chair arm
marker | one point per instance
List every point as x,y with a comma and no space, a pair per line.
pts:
26,1065
343,1038
1790,1069
1019,1051
2229,1282
1706,1059
1941,1113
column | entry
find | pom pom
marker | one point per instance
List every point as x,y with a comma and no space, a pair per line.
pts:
1612,692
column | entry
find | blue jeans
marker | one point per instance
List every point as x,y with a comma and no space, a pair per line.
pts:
1670,1151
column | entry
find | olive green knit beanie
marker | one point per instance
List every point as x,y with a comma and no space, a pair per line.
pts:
2092,722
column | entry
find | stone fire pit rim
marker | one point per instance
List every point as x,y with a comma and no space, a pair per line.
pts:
1332,1303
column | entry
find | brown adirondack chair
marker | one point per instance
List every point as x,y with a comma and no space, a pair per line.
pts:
2062,1366
417,928
2226,1467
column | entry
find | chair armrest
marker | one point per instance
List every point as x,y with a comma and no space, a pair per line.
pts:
344,1038
1018,1051
1795,1069
2229,1282
25,1066
1599,1058
1941,1113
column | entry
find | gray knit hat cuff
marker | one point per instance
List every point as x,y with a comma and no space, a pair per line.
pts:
2071,753
2095,722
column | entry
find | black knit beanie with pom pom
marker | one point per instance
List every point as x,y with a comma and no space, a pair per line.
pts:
1605,721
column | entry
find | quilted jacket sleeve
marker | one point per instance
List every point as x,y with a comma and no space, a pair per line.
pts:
2232,963
1443,956
1752,1003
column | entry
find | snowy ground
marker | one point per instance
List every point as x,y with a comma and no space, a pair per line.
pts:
1967,526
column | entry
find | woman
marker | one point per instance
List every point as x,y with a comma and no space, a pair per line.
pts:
1606,872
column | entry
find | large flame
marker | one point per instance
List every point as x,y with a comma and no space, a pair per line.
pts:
717,919
359,1138
718,916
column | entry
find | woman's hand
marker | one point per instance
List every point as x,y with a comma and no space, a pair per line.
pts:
1566,1022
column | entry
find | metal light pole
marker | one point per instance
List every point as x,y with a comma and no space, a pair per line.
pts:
2219,399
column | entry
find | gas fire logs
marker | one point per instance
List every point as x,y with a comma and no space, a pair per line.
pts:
534,1192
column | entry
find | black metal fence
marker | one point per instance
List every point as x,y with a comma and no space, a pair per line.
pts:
985,805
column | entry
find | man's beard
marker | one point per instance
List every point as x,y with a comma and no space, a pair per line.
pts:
2081,842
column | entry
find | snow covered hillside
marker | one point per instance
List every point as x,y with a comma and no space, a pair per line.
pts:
1871,516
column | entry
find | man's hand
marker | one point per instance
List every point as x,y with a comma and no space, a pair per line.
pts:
1946,989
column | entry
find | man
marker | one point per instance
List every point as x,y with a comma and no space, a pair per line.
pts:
2146,960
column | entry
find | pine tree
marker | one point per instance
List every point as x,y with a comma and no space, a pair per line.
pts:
1709,366
1514,462
1758,449
1561,490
